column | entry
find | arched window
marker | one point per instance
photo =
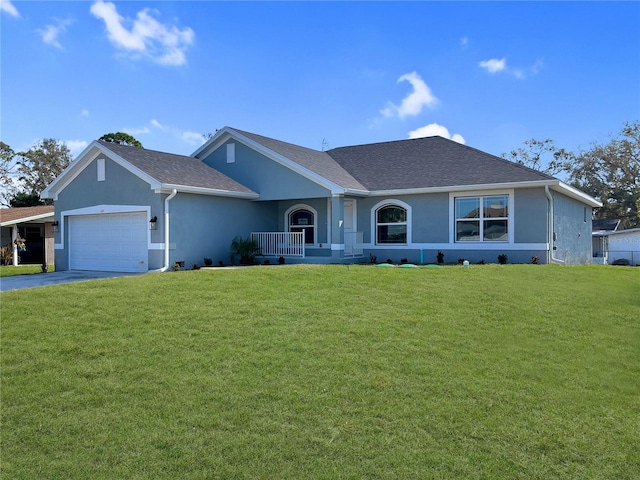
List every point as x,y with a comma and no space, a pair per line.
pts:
302,219
391,224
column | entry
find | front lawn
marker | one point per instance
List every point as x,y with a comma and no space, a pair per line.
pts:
10,270
324,372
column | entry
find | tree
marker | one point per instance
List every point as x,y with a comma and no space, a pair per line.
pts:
541,155
121,138
22,199
7,173
611,173
41,164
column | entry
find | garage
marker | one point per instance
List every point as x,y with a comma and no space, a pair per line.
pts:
114,242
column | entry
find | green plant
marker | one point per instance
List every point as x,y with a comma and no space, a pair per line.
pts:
440,257
175,267
244,250
502,259
208,262
281,260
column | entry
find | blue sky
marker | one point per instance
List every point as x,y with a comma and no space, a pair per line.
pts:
488,74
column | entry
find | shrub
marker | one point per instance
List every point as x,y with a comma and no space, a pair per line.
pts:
404,260
460,260
373,258
245,250
440,257
534,260
267,261
208,262
481,262
280,260
502,258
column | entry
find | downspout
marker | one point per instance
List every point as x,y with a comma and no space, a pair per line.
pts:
166,230
550,227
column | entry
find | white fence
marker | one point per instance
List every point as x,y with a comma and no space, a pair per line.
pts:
280,244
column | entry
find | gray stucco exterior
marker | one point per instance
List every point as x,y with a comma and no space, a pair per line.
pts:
240,183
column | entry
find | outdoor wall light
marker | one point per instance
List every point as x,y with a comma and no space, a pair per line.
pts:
56,226
153,222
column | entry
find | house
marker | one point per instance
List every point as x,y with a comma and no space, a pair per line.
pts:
34,225
611,245
128,209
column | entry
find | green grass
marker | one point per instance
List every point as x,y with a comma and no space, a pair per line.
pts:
10,270
324,372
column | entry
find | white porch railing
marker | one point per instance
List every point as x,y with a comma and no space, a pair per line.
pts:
285,244
353,244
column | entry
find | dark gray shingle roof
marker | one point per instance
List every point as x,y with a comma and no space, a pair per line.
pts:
173,169
605,224
427,162
314,160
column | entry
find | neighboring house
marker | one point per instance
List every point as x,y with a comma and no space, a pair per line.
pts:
35,226
129,209
611,245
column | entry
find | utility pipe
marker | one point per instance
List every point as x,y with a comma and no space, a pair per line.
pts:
550,226
166,230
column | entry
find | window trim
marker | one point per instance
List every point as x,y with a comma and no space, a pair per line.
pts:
309,208
481,195
392,202
101,170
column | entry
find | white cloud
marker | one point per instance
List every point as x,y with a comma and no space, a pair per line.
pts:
464,41
194,138
8,7
50,32
433,129
494,65
76,146
189,137
84,113
136,131
164,44
156,124
413,103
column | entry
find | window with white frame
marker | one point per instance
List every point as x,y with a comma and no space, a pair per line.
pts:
391,224
303,220
482,219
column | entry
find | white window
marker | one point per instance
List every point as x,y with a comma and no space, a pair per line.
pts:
101,169
231,153
303,219
482,218
392,224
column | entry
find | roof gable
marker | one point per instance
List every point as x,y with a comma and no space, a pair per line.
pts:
161,170
176,170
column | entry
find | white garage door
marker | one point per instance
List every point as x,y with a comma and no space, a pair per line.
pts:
111,242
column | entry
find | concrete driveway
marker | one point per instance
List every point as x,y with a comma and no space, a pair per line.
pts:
19,282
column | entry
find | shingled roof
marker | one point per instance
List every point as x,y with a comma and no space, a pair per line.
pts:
314,160
178,170
10,216
426,163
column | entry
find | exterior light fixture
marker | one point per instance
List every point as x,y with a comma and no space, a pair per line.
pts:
56,226
153,222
